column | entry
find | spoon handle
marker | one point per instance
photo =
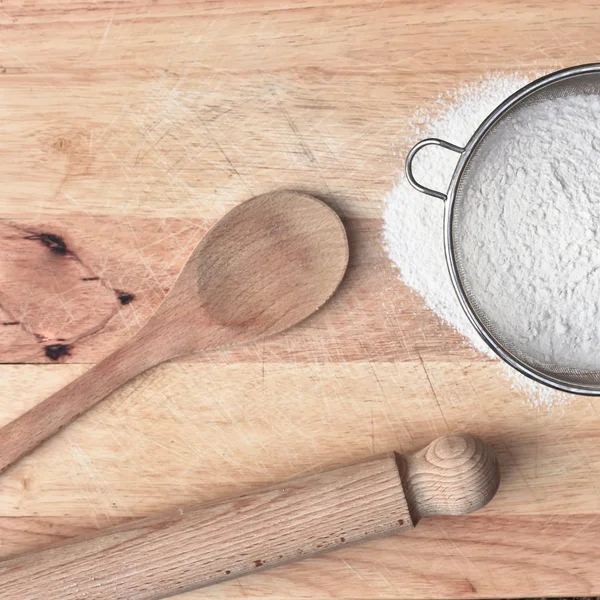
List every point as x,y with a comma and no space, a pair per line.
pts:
28,431
197,546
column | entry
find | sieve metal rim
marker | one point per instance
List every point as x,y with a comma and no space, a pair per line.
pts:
449,198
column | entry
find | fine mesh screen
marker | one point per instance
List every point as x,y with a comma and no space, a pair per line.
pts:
575,85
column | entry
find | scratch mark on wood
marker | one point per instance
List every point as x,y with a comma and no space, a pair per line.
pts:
437,400
307,151
353,570
372,433
105,36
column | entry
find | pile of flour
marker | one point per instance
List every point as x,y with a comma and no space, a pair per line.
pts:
529,239
529,232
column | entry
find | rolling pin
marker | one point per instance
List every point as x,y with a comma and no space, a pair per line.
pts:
188,548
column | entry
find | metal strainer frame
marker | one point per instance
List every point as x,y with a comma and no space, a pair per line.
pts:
466,154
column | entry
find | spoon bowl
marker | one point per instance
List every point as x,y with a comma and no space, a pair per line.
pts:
266,265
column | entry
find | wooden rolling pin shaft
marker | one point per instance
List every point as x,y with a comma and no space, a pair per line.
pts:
188,548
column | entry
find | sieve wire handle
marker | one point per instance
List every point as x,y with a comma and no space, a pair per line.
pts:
413,153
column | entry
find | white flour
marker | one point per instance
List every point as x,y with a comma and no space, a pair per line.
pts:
529,234
518,291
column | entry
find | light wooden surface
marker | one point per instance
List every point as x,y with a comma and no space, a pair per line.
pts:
126,130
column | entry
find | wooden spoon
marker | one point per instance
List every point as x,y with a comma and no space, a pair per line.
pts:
268,264
197,546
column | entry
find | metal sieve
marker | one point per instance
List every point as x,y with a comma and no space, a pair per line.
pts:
581,80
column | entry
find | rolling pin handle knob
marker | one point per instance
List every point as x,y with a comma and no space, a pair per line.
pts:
454,475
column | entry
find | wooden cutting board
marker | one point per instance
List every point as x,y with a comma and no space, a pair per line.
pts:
126,130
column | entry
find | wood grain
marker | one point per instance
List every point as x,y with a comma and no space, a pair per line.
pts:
202,545
128,128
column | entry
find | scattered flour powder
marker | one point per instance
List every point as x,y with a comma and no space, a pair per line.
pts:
529,234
